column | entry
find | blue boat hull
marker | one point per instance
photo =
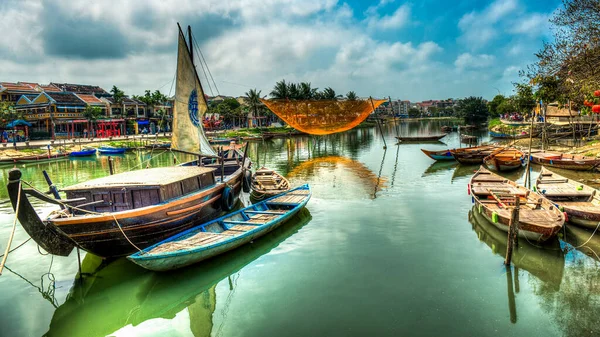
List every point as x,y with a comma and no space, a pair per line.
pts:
111,151
83,153
181,258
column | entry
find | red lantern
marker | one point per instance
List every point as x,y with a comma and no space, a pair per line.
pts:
597,93
596,109
588,103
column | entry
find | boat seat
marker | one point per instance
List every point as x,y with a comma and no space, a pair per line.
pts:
271,211
241,228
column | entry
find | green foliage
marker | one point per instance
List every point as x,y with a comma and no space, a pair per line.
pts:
351,96
152,98
117,94
494,122
494,103
414,112
472,109
506,107
8,113
524,100
92,113
301,91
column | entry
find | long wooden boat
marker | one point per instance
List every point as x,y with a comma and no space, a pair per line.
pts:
117,215
222,234
111,150
472,155
438,155
494,196
83,153
565,161
41,158
579,201
501,135
429,138
504,159
267,183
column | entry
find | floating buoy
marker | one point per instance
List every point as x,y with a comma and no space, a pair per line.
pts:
469,189
580,187
472,200
566,216
495,217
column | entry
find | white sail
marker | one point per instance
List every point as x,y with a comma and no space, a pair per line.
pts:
190,105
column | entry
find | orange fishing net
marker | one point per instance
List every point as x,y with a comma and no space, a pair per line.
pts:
322,117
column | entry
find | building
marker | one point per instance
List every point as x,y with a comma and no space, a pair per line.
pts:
82,89
400,108
558,115
11,92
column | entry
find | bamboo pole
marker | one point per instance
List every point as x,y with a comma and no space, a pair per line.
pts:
512,231
528,173
512,307
378,124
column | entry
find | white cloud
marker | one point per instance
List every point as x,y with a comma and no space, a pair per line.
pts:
534,25
398,19
468,61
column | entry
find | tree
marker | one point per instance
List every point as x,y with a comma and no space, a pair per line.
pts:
493,105
280,91
472,109
506,107
91,113
254,102
414,112
328,94
351,96
307,91
118,96
524,100
8,113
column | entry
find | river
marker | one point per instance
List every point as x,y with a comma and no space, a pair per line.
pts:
387,246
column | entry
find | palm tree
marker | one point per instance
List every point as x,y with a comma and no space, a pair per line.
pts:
280,91
118,96
306,91
91,113
293,91
351,96
328,93
254,101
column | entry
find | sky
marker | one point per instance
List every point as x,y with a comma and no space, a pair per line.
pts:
427,49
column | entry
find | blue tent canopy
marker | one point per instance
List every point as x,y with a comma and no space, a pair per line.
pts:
143,122
18,122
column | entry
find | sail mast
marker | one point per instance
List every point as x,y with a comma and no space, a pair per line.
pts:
191,46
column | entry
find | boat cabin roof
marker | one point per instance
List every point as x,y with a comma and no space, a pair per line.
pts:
159,176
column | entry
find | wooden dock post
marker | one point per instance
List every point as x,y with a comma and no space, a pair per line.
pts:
111,170
379,125
512,230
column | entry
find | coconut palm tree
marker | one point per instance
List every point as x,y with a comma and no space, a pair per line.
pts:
254,102
91,113
118,96
280,91
306,91
351,96
328,93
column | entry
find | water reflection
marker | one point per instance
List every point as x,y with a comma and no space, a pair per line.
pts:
120,293
440,166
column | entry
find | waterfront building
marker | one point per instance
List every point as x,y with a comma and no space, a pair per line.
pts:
11,92
82,89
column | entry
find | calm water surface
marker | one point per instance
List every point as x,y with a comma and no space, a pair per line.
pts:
387,246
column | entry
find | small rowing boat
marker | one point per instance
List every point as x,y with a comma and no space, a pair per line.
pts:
111,150
494,196
504,159
502,135
430,138
579,201
438,155
466,139
222,234
267,183
472,155
83,153
565,161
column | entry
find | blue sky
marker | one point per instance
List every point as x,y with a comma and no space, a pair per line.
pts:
419,50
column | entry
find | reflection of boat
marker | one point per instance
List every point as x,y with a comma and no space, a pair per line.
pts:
223,234
565,161
504,160
217,140
111,150
86,152
123,294
584,241
440,166
545,262
580,201
472,155
438,155
464,170
116,215
41,158
429,138
267,183
495,196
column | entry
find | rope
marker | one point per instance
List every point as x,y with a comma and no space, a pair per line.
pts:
22,243
12,233
591,236
125,235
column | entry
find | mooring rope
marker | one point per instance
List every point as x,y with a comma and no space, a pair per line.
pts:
12,233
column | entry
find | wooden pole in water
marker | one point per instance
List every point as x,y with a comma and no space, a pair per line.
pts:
111,170
512,307
512,230
528,173
378,124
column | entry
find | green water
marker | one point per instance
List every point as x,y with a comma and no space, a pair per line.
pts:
387,246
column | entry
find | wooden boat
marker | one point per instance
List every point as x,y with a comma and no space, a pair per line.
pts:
472,155
494,196
579,201
267,183
501,135
39,158
83,153
468,139
222,234
439,155
430,138
504,159
446,128
217,140
565,161
114,216
111,150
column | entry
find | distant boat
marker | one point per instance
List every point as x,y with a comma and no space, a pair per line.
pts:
579,201
430,138
38,158
565,161
494,196
472,155
504,159
501,135
468,139
438,155
267,183
223,234
111,150
86,152
220,140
